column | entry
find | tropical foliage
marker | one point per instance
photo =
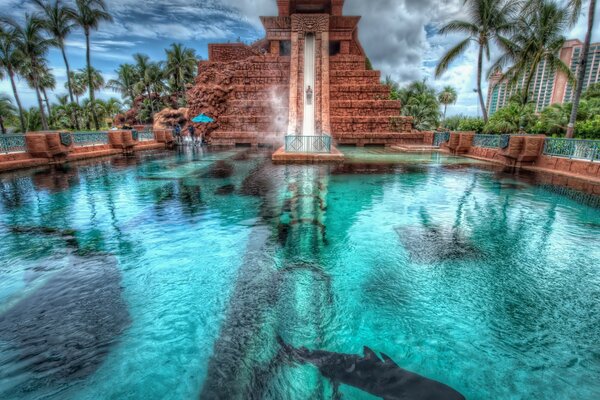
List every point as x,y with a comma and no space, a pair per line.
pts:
537,40
150,86
529,34
464,123
576,9
487,23
447,97
7,112
147,85
553,120
420,101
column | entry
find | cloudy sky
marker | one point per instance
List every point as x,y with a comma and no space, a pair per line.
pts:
399,36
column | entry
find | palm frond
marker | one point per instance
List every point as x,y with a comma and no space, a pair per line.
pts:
450,56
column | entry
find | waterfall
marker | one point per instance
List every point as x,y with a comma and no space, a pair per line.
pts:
308,128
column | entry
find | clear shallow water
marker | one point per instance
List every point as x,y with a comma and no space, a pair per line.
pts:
170,276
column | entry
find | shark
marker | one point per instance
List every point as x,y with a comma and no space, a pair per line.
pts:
381,377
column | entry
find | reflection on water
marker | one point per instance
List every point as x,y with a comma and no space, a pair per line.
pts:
171,275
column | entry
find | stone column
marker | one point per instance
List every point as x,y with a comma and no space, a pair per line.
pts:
325,122
294,69
274,47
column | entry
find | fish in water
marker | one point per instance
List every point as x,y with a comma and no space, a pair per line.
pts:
379,377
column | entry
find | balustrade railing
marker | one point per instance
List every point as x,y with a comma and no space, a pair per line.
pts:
573,148
308,144
440,138
146,136
489,141
12,144
83,139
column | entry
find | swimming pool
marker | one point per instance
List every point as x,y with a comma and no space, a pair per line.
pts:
171,275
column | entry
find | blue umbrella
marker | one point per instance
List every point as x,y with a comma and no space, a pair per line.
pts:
203,119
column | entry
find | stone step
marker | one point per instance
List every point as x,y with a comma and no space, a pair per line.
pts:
261,73
355,74
346,58
359,92
348,66
260,107
255,65
261,79
349,78
365,108
261,92
246,123
258,77
371,124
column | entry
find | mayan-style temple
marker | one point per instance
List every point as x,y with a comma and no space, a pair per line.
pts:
308,76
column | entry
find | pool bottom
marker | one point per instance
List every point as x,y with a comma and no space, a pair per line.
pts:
328,258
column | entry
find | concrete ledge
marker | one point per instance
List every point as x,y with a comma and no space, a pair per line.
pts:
93,154
567,174
415,148
22,164
142,146
281,157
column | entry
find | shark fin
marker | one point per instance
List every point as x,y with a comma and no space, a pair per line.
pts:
388,359
370,354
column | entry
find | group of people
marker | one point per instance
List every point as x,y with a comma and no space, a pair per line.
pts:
195,140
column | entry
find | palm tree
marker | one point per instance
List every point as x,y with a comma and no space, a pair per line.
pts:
421,103
10,59
111,107
58,22
127,77
180,67
33,120
97,78
446,97
576,7
151,78
7,110
88,16
78,83
488,22
33,46
63,113
142,62
47,82
537,40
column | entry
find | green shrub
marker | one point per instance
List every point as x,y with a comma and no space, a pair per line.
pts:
471,124
589,129
513,118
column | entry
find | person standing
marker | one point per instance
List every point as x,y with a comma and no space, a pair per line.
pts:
177,132
192,132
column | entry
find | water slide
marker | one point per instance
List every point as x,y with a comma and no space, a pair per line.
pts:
308,128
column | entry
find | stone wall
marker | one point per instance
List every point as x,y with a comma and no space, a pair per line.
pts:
575,167
523,151
44,148
248,99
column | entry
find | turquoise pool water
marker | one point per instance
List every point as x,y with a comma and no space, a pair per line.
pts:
170,276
